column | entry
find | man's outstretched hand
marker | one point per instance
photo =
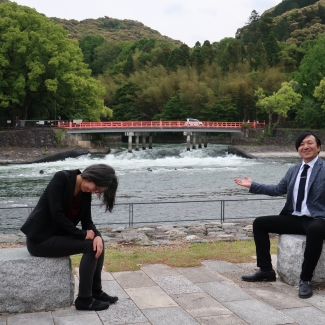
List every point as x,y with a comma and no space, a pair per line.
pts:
247,182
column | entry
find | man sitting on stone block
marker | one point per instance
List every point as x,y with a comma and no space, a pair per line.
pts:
303,213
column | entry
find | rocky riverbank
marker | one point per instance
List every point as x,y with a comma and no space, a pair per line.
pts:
158,235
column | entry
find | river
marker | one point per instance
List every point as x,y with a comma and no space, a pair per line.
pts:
166,173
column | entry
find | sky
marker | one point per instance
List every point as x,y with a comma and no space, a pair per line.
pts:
186,20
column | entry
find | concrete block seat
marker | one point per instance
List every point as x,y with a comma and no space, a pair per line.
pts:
290,257
31,283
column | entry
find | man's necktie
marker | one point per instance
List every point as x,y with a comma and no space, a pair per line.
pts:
301,189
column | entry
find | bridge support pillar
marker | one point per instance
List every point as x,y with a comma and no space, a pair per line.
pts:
194,141
130,135
150,141
188,140
205,140
143,142
136,143
200,140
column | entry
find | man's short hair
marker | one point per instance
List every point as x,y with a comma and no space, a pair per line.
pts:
304,135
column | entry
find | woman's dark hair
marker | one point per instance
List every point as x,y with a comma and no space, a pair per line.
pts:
103,176
304,135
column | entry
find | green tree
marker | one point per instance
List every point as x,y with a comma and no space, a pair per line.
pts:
161,54
105,57
259,60
174,109
227,53
279,103
240,88
124,107
196,58
88,44
235,52
207,52
281,30
312,69
41,68
145,44
291,56
310,115
179,57
128,66
222,110
252,32
272,50
319,93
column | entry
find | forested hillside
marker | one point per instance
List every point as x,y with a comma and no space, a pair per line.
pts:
258,75
272,70
291,21
112,30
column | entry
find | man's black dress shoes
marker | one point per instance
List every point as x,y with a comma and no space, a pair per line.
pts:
103,296
94,305
305,289
260,276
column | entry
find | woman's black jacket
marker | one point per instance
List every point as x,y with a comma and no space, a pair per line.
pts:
49,217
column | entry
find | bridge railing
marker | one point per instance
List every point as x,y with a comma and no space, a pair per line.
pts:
159,124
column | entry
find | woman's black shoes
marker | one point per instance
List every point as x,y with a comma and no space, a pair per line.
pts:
260,276
94,305
105,297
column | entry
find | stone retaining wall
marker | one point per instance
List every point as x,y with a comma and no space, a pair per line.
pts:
36,138
28,138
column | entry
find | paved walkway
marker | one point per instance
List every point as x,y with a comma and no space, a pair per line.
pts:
210,294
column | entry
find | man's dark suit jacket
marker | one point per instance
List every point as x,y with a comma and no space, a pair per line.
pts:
315,190
49,217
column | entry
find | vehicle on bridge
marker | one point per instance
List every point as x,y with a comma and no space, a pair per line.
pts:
193,122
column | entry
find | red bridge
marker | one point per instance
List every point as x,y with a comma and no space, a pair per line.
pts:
145,129
156,126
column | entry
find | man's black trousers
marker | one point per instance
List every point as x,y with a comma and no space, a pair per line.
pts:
314,229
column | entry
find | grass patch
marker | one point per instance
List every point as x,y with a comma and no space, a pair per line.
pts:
130,258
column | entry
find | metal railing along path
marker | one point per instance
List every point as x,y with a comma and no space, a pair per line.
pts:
131,220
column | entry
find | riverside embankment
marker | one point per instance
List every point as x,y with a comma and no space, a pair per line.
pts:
19,155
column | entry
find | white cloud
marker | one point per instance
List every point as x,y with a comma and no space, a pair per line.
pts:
185,20
174,10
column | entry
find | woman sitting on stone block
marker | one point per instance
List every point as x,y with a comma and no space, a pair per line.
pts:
51,227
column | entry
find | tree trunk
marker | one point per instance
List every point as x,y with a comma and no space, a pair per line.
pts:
275,125
24,109
270,121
